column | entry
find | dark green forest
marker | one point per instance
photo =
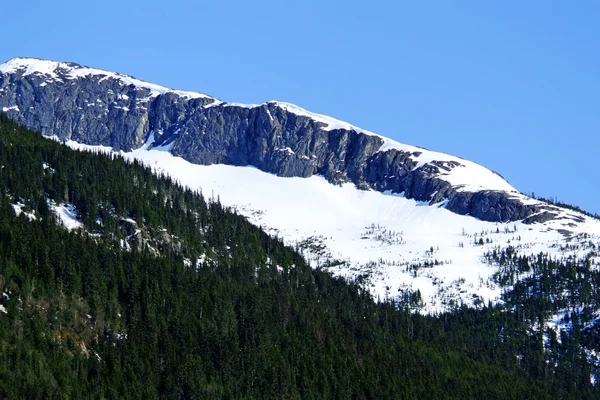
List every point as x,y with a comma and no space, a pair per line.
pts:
192,301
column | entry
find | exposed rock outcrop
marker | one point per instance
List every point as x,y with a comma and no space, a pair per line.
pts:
102,108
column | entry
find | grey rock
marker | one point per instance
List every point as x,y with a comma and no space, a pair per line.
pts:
104,110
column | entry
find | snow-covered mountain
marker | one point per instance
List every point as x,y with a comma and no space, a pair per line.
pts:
95,107
392,216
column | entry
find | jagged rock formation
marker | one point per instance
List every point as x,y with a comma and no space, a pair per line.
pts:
101,108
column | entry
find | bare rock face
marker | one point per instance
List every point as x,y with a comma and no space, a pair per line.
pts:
102,108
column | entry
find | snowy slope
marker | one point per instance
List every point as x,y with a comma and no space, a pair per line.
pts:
385,238
387,242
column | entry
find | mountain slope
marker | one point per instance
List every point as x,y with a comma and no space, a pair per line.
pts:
83,316
389,243
393,220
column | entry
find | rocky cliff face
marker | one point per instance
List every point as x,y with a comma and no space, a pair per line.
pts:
102,108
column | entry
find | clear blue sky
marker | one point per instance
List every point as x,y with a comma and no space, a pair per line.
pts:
512,85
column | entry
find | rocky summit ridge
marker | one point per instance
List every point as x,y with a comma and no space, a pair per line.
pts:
96,107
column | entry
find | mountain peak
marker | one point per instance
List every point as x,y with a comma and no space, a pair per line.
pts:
54,70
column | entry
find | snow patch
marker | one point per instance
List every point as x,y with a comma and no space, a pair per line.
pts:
18,208
285,150
67,215
269,114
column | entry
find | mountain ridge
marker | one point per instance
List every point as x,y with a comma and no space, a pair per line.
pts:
396,218
98,107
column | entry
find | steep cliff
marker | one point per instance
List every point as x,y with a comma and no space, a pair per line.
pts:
96,107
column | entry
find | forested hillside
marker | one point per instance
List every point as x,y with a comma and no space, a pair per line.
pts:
157,292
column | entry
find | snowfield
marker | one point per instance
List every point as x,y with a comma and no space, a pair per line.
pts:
387,242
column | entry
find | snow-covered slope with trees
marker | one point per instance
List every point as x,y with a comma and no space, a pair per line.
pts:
395,217
392,245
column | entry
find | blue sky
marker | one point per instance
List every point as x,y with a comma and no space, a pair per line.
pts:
512,85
